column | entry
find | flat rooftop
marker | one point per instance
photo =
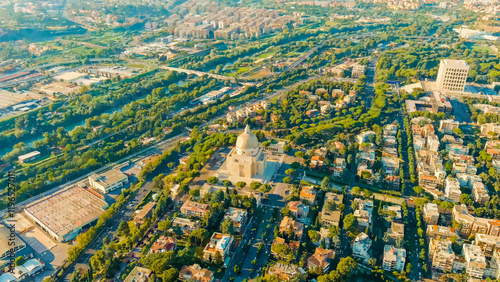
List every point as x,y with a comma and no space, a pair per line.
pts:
67,210
455,63
109,177
8,98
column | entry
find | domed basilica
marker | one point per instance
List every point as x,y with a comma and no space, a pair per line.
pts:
247,159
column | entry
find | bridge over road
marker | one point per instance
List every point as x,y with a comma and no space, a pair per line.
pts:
200,73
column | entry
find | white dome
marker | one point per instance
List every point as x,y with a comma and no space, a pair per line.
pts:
247,140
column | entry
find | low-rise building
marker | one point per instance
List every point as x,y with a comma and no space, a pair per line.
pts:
308,194
365,137
292,245
144,213
237,216
219,243
394,258
298,210
190,208
320,259
195,272
394,211
361,247
29,157
397,231
285,272
163,244
330,214
108,181
364,214
186,225
448,125
138,274
290,226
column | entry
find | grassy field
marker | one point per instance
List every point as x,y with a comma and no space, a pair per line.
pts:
479,48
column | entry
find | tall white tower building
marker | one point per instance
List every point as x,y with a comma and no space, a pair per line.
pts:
452,75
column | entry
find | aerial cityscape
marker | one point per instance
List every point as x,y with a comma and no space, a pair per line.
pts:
251,140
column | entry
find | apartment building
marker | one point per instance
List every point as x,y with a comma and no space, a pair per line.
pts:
361,247
475,261
448,126
219,243
394,258
480,193
441,254
298,210
396,231
365,137
186,225
495,260
237,216
490,129
364,214
331,217
431,213
488,243
462,216
452,189
458,149
190,208
434,231
308,194
452,75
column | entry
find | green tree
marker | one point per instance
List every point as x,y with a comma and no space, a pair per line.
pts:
350,223
347,266
228,226
213,180
19,261
124,228
170,275
314,235
326,183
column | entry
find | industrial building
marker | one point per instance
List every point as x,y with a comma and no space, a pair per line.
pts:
28,157
64,214
108,181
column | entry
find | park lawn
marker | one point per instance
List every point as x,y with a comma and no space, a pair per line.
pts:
481,48
260,74
478,48
266,54
331,24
